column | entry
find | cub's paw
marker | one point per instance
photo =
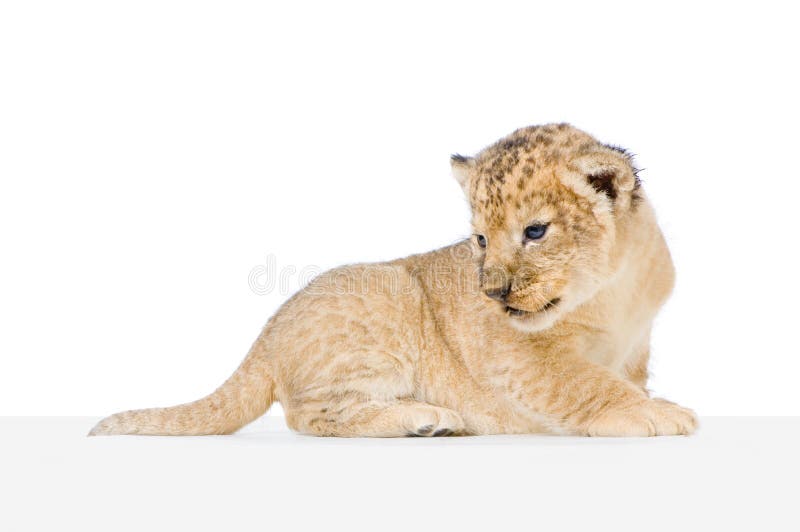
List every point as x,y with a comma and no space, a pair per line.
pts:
433,421
652,417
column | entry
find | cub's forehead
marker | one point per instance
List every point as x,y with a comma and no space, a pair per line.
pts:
518,175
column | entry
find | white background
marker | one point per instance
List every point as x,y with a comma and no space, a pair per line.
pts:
153,153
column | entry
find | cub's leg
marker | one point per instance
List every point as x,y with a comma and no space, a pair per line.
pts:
353,417
636,369
347,390
585,398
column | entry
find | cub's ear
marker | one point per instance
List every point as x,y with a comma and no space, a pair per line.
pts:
461,167
608,172
603,181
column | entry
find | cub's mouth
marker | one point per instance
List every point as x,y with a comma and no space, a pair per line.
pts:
517,313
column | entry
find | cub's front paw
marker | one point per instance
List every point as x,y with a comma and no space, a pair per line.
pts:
651,417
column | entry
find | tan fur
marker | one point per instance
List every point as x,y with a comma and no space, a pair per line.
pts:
415,347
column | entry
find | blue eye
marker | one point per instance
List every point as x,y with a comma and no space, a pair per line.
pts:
535,231
481,240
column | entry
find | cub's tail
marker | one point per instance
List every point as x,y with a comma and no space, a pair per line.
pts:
246,395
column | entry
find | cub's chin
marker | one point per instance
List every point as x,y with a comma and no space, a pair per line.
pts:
534,321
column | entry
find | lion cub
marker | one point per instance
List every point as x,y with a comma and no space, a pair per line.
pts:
538,323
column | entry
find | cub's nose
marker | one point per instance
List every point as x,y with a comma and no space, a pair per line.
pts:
498,294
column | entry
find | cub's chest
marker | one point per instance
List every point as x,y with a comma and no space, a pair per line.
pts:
620,337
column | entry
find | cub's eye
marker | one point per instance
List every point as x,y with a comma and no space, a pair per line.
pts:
481,240
535,231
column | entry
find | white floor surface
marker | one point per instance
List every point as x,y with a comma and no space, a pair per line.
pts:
736,473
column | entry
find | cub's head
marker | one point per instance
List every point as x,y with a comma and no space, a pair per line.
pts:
546,203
